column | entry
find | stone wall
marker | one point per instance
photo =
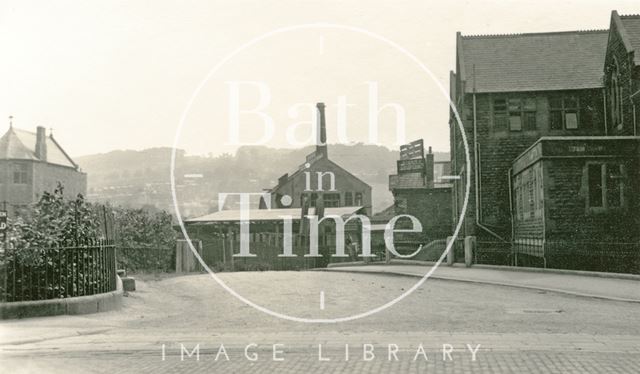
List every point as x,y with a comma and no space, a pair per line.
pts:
46,177
498,148
566,210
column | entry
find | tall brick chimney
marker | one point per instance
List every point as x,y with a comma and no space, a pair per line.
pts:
321,141
429,168
41,143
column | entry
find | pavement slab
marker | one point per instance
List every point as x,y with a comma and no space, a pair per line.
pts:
569,283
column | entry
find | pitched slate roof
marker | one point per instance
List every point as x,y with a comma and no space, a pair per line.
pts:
532,62
21,145
631,25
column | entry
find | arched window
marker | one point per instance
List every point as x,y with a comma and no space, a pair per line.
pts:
615,96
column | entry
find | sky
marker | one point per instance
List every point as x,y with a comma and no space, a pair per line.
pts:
108,75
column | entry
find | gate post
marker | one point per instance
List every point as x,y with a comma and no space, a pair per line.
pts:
178,256
197,265
469,249
451,255
387,255
186,261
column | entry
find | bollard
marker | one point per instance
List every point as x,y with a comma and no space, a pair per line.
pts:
451,255
469,248
129,284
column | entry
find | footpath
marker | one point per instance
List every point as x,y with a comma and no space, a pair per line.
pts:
609,286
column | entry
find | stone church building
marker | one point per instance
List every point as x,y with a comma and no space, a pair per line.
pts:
32,163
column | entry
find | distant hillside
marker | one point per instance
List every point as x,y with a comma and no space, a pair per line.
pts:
139,178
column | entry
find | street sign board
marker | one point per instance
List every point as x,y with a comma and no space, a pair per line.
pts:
3,224
415,149
415,165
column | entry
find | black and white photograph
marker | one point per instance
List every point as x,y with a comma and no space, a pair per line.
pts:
320,186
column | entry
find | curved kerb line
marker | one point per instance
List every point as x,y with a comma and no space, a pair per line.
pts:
311,26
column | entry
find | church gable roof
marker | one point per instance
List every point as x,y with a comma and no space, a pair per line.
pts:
19,144
630,33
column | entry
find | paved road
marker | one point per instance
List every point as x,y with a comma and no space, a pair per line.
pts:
518,330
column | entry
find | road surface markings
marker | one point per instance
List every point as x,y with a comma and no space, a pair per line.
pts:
321,300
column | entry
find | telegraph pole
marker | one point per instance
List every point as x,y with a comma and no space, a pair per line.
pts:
4,225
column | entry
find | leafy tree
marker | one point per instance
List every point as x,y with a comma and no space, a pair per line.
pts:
39,261
52,222
145,239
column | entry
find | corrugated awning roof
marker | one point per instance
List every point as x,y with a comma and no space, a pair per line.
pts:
270,214
533,62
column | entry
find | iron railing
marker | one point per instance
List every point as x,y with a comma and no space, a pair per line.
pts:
493,253
621,257
68,270
607,256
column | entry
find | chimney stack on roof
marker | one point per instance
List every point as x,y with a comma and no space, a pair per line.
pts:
429,168
41,143
321,141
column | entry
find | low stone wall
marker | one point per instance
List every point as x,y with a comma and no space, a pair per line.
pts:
74,305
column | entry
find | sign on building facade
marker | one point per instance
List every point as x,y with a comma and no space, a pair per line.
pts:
414,165
3,225
415,149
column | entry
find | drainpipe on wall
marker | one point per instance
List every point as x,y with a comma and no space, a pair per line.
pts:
635,124
478,165
604,104
513,233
